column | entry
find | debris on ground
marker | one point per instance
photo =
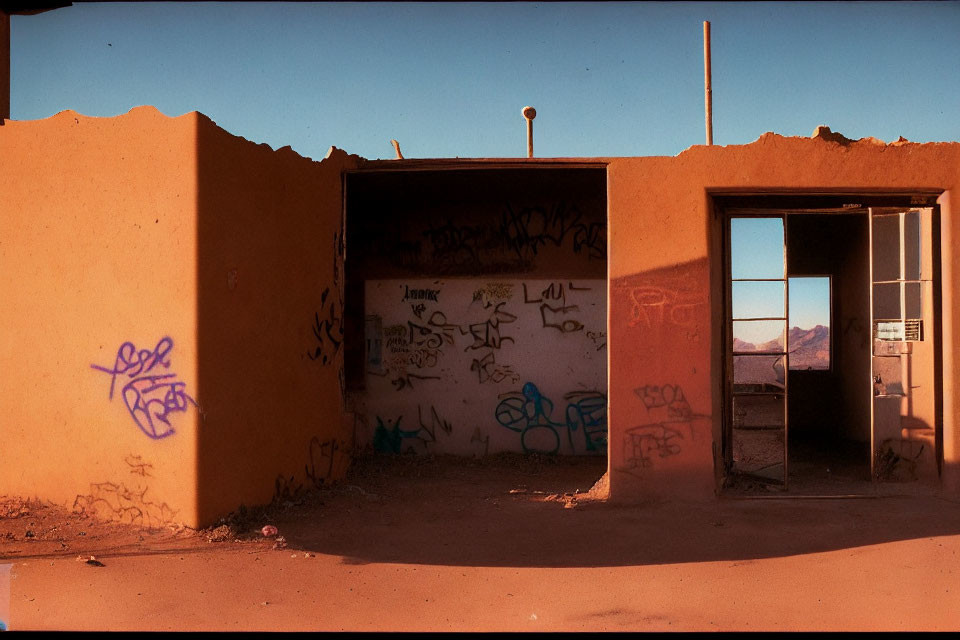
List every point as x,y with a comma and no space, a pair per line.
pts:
92,561
221,533
14,508
280,542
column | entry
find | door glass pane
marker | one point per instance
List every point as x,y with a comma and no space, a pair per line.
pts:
886,247
912,299
753,374
756,248
758,335
911,245
886,301
758,299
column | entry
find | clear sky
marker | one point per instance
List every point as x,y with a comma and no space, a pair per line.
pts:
450,79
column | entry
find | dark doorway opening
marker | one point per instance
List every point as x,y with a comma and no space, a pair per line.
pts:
475,308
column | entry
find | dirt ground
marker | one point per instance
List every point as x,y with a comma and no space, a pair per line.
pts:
503,544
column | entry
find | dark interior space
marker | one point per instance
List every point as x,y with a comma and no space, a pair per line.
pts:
828,409
467,221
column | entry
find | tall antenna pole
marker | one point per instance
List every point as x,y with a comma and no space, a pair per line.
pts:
707,90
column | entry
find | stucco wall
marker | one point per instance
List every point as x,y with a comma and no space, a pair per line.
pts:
666,274
171,342
98,343
269,321
478,366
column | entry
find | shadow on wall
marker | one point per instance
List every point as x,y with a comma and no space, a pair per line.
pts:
661,430
269,325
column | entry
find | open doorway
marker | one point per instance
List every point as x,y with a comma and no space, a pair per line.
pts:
476,309
822,301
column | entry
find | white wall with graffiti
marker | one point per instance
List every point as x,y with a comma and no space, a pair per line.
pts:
477,366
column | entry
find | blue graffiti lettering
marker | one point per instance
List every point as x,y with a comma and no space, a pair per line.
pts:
529,414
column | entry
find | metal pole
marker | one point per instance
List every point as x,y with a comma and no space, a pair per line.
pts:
708,91
529,113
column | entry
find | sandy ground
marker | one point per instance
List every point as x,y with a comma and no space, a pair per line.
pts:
507,544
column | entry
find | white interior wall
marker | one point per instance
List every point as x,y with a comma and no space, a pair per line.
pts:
476,366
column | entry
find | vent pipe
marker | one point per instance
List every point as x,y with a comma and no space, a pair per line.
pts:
529,113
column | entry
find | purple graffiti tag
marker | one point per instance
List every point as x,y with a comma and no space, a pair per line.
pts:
132,363
149,398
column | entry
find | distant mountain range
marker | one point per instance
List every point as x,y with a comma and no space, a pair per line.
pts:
809,349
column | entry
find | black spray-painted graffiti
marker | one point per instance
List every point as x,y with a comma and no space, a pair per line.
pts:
489,371
149,396
599,338
669,396
529,413
138,467
420,294
554,307
328,332
487,333
527,230
326,461
119,502
662,437
481,440
513,241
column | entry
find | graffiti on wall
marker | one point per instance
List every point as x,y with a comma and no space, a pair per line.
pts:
326,460
492,293
149,391
530,414
118,501
669,424
389,437
510,240
481,329
138,467
327,329
555,313
526,231
489,371
481,442
486,334
599,338
667,300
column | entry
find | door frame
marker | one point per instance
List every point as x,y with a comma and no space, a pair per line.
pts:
768,203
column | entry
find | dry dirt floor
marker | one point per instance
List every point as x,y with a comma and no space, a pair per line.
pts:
502,544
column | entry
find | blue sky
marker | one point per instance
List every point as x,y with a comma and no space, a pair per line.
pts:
450,79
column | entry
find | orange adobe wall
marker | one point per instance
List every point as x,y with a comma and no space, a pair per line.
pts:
269,331
97,251
665,306
162,283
